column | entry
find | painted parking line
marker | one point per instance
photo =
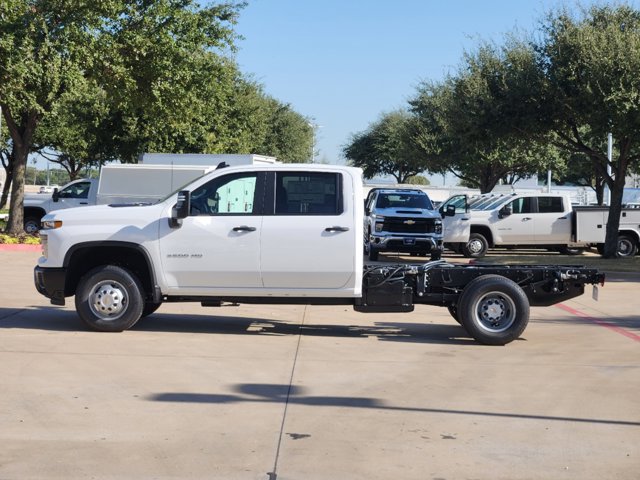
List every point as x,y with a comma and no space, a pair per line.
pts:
602,323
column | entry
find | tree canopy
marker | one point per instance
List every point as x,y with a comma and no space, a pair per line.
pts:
389,147
86,82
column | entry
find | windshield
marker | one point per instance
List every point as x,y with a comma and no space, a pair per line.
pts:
181,188
404,200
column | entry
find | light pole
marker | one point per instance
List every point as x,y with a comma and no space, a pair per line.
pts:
313,126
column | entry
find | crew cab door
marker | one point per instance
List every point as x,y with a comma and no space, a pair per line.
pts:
456,228
218,245
516,227
308,235
552,221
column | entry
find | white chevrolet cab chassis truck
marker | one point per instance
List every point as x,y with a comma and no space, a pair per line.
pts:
278,234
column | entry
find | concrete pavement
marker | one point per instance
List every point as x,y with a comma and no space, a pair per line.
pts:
295,392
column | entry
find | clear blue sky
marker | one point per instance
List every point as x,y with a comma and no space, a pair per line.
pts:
344,62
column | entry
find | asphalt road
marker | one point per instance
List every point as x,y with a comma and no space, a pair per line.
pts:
283,393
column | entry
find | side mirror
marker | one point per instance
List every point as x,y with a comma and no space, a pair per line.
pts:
505,211
181,209
450,211
55,196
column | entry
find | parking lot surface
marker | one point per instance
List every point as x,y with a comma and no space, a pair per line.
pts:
317,392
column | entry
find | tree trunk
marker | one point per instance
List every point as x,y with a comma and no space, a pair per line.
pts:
15,226
615,210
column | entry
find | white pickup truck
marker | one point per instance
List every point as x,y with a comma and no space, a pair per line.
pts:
539,220
286,234
118,183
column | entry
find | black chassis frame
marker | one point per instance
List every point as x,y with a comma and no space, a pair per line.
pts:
396,288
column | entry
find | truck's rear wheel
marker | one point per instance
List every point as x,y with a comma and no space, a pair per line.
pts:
627,246
109,299
476,247
493,309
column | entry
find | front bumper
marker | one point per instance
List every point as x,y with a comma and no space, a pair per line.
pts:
50,283
400,243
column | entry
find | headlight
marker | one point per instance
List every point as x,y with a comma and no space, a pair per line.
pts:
51,224
379,227
438,227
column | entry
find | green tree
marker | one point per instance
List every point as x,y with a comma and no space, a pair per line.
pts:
389,146
418,180
465,121
148,57
587,85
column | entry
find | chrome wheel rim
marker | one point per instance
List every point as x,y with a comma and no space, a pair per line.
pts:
31,228
108,300
475,246
494,312
624,248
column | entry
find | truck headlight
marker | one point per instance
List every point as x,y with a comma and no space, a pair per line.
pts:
378,226
438,227
51,224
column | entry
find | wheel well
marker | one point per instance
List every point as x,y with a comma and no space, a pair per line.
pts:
630,233
132,258
484,231
33,212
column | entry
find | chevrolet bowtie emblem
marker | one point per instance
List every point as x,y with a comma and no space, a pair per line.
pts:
409,222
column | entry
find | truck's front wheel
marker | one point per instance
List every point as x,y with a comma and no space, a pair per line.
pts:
493,309
109,299
31,225
476,247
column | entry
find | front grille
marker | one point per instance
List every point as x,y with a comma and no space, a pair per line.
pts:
409,225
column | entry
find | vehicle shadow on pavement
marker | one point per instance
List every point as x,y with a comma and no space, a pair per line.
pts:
40,318
60,319
291,394
384,331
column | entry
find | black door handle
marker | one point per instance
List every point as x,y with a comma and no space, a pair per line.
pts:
336,229
244,228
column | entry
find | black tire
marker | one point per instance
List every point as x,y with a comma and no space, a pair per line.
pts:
436,254
31,225
493,309
453,311
476,247
600,248
109,299
149,308
627,246
373,254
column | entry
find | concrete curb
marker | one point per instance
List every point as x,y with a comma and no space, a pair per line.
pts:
19,247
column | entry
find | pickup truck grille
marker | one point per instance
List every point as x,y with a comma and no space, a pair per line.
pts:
409,225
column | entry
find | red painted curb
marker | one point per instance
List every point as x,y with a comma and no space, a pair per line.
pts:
19,247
